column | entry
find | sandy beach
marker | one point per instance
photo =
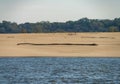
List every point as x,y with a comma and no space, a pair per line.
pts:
106,45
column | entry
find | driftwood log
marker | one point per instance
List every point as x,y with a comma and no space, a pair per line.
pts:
92,44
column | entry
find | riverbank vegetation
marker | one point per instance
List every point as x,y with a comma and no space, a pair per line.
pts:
81,25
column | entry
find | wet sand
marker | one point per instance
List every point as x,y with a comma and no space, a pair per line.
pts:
60,44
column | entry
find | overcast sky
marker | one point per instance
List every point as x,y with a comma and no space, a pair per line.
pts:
21,11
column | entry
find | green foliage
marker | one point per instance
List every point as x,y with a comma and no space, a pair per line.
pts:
113,29
82,25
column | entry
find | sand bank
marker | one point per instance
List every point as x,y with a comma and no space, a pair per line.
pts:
63,44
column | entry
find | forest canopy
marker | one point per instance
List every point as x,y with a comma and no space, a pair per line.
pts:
81,25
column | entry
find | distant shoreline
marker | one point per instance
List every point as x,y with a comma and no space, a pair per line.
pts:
81,25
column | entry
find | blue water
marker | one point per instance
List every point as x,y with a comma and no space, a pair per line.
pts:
59,70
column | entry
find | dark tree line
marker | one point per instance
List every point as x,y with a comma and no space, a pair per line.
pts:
82,25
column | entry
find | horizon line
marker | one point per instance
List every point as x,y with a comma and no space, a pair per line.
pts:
60,21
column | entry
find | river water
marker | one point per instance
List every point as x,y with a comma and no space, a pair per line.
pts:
50,70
